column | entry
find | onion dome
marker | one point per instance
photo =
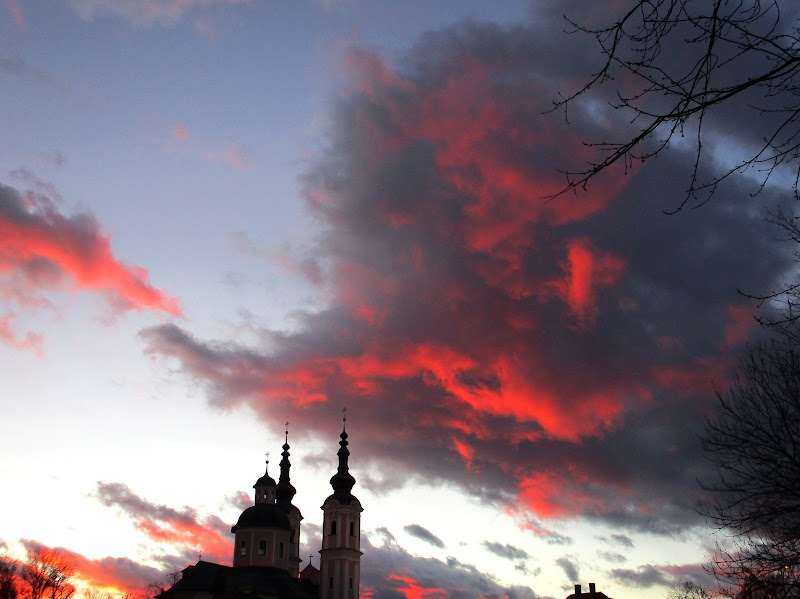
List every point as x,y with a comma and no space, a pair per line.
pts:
263,515
342,482
265,487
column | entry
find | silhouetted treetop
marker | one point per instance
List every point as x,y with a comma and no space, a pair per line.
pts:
754,443
677,66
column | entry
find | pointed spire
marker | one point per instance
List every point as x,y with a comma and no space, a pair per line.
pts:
342,482
285,491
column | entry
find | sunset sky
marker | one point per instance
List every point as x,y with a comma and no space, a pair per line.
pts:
217,216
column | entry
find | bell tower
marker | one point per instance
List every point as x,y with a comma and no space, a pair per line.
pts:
340,556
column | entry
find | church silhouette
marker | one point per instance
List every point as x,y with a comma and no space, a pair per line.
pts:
266,560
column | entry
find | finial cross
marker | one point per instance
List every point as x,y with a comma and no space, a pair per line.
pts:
344,417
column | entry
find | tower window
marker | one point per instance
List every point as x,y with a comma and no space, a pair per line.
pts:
352,532
262,547
243,547
330,582
333,527
280,550
351,584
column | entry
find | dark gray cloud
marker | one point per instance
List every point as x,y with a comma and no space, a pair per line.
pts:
422,533
506,551
570,568
623,540
556,538
387,570
610,556
644,576
15,66
649,575
554,358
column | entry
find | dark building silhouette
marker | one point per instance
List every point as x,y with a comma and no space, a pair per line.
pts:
266,560
592,594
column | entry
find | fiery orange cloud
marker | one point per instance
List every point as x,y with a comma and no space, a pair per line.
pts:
473,133
182,529
439,366
113,574
41,250
189,535
586,271
411,589
467,453
475,322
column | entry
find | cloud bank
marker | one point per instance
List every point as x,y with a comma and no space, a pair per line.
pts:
554,357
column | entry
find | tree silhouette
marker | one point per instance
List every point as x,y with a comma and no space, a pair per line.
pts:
676,64
8,576
754,443
686,589
46,575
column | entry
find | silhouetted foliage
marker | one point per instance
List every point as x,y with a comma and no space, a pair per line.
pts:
754,443
688,590
675,64
787,297
155,588
46,575
8,575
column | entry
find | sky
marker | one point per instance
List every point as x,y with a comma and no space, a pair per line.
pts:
219,216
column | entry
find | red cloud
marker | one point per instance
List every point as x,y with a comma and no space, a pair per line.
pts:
411,589
182,529
179,132
197,536
740,326
42,251
114,574
20,20
472,321
586,270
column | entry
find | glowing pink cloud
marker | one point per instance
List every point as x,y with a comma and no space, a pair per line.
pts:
410,588
109,574
13,7
520,343
179,132
42,251
183,530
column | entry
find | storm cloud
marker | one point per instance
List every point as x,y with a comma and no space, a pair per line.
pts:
553,356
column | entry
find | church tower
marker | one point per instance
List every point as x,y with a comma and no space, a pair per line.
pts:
340,557
284,493
263,532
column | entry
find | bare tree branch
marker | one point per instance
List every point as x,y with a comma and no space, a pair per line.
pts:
675,63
